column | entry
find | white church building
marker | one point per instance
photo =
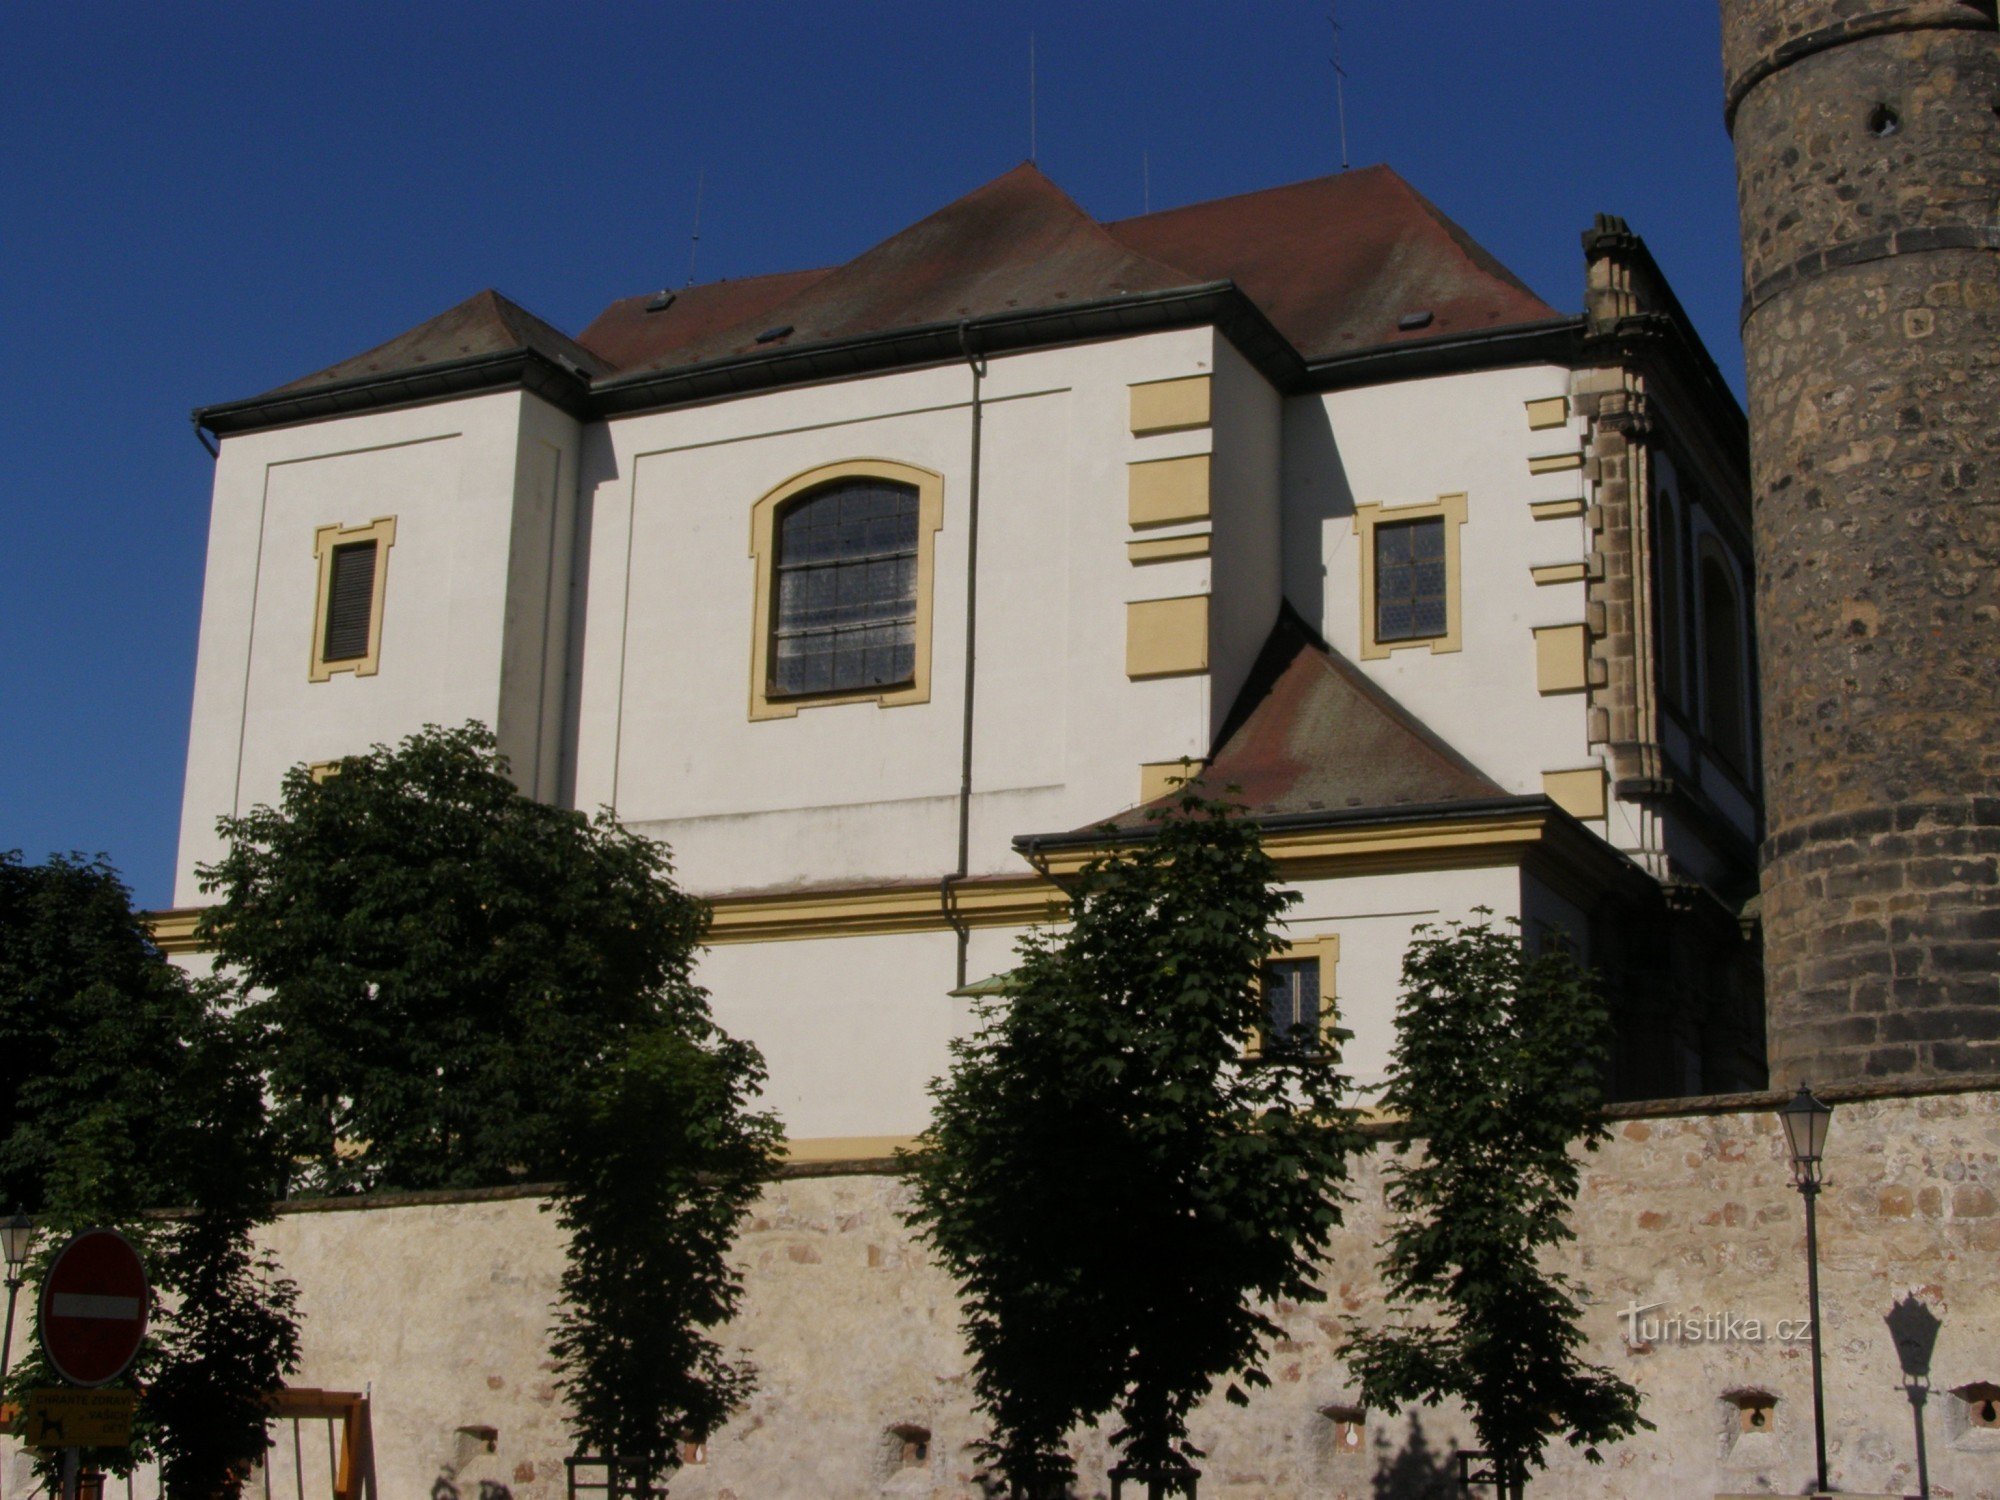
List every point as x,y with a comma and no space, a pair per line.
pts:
877,590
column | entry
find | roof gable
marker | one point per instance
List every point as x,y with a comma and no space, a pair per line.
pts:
1311,733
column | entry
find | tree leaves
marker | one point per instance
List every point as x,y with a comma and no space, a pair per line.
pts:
1497,1071
1117,1192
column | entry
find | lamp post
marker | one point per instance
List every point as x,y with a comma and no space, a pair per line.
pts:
1805,1120
16,1235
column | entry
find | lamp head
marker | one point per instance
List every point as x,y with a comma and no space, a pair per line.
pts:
16,1235
1805,1119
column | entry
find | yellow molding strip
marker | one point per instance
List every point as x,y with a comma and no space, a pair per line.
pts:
864,912
848,1147
1555,510
1573,572
1021,901
1554,463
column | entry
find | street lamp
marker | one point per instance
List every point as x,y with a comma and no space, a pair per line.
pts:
16,1235
1805,1120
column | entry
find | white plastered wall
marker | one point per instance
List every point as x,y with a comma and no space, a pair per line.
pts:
858,793
1375,917
1246,485
466,631
1407,443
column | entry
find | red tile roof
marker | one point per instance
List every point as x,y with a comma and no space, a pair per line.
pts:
1311,733
484,323
1336,264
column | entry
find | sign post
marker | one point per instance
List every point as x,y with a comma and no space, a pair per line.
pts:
92,1318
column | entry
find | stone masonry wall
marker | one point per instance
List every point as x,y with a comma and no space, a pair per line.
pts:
1868,164
439,1311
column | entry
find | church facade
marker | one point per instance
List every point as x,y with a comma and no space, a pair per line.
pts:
878,591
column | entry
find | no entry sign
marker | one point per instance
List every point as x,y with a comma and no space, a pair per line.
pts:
93,1310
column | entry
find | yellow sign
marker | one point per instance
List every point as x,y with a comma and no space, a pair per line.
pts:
63,1418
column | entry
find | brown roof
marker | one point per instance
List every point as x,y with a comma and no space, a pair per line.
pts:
1337,262
1018,242
1310,733
484,323
626,335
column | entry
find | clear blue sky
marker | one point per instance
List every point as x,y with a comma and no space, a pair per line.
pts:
200,202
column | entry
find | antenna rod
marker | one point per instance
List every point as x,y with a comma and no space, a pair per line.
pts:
694,240
1339,79
1146,182
1031,96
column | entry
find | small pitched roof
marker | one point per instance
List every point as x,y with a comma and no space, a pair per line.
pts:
1018,242
485,323
1337,262
1311,733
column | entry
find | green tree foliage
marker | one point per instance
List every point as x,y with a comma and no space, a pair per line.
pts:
127,1089
1118,1192
662,1159
445,960
1498,1071
464,987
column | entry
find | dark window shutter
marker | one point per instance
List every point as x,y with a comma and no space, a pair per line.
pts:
350,599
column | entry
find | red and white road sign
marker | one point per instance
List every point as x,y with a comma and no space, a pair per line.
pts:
93,1310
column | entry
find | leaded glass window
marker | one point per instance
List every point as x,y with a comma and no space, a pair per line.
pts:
1409,580
847,589
1291,1005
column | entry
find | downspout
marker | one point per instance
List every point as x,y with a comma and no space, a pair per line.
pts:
978,368
201,436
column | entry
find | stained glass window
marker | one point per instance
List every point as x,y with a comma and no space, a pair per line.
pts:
1409,580
847,589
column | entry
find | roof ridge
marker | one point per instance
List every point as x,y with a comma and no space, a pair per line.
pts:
1378,168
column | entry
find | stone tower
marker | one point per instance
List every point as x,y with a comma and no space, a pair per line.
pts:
1868,168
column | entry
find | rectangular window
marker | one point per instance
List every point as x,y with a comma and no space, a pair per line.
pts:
350,600
347,619
1291,1006
1410,599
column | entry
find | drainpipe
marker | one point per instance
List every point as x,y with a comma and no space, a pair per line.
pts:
201,436
978,368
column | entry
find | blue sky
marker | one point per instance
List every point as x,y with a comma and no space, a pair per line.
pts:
198,203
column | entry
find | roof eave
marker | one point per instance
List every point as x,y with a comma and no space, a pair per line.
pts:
1334,817
444,380
1219,303
1557,341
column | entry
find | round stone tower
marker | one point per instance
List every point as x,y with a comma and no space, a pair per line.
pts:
1867,140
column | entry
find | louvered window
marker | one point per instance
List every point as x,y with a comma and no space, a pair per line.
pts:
350,601
1409,580
1291,1006
846,614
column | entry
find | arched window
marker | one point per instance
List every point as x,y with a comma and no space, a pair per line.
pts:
844,566
1724,704
1672,613
846,607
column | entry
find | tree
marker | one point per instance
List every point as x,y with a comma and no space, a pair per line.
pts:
464,986
660,1165
1498,1071
127,1089
1117,1190
443,961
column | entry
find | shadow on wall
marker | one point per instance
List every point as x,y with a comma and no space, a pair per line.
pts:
1319,508
447,1488
1417,1472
